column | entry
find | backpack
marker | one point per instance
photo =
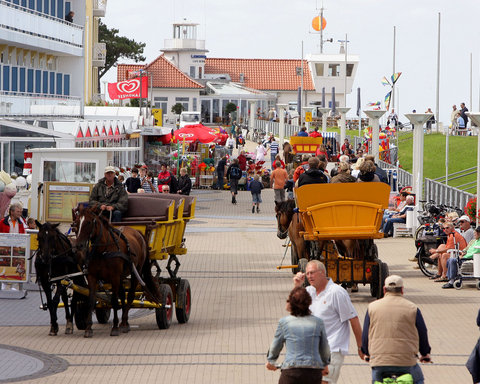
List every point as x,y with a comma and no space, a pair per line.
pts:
235,173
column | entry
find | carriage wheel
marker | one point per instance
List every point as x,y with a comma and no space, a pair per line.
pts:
183,301
302,267
383,267
164,315
81,313
103,314
294,257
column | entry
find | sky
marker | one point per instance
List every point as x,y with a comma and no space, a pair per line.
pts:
275,30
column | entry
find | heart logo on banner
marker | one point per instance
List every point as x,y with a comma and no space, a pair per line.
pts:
128,86
185,135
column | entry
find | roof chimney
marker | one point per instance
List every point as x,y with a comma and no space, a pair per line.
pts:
242,77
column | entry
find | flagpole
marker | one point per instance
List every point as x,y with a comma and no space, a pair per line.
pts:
393,83
437,107
141,101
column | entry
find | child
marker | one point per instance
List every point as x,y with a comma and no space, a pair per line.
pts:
31,223
256,188
290,184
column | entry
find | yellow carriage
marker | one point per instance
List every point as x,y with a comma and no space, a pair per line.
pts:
346,211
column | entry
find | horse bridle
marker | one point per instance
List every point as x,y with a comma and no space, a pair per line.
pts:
282,233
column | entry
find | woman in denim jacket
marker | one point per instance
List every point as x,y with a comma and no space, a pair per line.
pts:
308,353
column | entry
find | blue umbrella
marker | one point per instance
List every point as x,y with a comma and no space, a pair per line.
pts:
359,104
334,110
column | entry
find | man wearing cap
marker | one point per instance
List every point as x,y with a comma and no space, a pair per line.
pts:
465,229
110,195
466,254
393,333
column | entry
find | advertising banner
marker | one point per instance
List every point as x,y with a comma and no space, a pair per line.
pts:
14,254
128,89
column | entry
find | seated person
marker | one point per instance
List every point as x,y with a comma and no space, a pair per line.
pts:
442,251
303,132
302,167
315,133
465,229
466,254
367,172
329,149
403,201
400,217
110,195
313,175
343,175
382,174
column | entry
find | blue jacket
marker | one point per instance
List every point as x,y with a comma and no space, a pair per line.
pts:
306,343
256,187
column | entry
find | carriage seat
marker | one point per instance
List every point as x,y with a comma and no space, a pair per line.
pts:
187,209
178,200
142,210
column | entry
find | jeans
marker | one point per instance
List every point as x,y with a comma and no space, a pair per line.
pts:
272,158
452,268
220,180
116,215
414,370
388,227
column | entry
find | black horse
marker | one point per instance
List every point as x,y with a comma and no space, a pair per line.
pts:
56,258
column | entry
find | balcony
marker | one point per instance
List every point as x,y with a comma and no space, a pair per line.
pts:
15,104
99,54
39,31
99,8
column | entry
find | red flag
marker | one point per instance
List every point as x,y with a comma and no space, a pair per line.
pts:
129,89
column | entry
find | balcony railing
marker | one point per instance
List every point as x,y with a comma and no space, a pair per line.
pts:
31,23
99,54
99,8
16,104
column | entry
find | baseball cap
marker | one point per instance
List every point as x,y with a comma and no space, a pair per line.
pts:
109,169
464,218
393,281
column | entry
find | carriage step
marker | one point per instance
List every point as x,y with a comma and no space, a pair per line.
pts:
286,245
287,266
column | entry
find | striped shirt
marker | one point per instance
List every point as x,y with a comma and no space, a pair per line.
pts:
274,148
146,185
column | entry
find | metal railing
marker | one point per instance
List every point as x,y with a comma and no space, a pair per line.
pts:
444,194
404,178
17,104
99,53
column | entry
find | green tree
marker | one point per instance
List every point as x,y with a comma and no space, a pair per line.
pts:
117,47
230,108
177,109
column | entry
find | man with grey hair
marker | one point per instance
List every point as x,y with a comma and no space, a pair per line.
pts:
331,303
13,222
393,333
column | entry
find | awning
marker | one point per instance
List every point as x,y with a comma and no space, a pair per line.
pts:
155,131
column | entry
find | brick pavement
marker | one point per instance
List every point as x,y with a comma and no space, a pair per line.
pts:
238,297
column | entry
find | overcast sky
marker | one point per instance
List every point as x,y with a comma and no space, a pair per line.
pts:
276,29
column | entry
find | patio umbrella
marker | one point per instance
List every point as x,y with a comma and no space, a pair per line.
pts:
334,110
198,132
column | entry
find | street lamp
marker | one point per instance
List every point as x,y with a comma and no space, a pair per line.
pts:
375,115
324,112
475,116
343,122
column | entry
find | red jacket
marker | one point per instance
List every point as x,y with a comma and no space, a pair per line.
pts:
5,227
242,162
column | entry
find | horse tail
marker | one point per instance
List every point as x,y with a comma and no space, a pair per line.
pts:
151,287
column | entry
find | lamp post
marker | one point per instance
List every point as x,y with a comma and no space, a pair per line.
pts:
281,133
104,90
252,114
475,117
343,122
325,112
375,116
418,119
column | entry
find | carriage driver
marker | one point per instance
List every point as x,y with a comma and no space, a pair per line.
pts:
110,195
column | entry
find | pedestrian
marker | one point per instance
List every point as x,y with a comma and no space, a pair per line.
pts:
307,351
430,121
221,169
453,119
331,303
234,173
69,16
145,183
463,113
184,183
229,144
274,149
260,152
393,333
278,178
256,189
133,182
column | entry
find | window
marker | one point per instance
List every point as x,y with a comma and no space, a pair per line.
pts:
349,70
199,72
45,82
38,81
183,101
22,79
194,104
15,79
161,103
6,78
52,83
46,6
30,80
39,5
319,69
31,4
52,7
59,83
60,9
333,69
192,72
66,85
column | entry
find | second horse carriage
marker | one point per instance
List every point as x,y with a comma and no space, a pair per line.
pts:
337,224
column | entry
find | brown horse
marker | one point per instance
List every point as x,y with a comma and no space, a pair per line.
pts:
112,256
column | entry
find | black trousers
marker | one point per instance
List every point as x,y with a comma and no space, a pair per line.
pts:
301,376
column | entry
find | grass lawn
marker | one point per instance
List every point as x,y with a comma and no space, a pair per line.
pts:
462,155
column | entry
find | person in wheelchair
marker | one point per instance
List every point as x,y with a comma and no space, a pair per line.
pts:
454,239
466,254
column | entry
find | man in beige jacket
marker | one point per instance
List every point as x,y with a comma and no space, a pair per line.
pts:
393,334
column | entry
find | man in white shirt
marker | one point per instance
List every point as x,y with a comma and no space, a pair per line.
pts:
331,303
466,229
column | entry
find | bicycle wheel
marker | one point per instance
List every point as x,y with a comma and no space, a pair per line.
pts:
419,231
428,266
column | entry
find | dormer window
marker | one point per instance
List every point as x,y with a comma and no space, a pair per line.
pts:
334,70
349,70
319,69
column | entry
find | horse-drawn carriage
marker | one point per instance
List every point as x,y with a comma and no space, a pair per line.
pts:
119,257
337,224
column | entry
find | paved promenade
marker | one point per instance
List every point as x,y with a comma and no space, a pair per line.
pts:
238,297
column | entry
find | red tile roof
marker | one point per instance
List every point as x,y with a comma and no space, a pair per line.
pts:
165,74
263,74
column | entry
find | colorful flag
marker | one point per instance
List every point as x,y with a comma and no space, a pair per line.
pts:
385,81
395,77
129,89
387,100
376,104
